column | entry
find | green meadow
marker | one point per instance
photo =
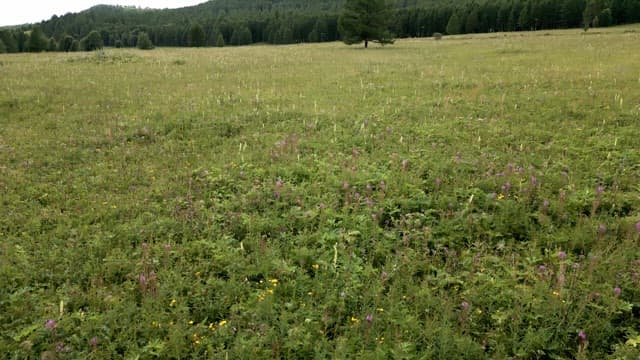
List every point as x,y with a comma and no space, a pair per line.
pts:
476,197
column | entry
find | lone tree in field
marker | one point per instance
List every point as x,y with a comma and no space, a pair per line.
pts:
144,42
365,20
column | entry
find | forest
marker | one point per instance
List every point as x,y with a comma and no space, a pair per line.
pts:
239,22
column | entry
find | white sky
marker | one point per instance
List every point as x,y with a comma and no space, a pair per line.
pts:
16,12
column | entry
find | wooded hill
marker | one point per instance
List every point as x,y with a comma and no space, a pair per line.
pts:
241,22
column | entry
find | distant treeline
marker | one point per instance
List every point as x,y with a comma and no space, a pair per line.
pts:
242,22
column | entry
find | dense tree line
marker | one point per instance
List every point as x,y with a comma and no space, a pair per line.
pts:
241,22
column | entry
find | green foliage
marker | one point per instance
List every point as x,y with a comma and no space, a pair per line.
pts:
196,36
241,36
365,21
3,48
416,203
455,25
75,45
9,41
66,43
52,45
605,18
92,42
144,42
36,41
220,40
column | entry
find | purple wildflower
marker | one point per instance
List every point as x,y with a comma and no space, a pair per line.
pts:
582,336
562,255
465,306
94,342
602,229
506,187
50,325
369,318
279,183
638,226
617,291
600,190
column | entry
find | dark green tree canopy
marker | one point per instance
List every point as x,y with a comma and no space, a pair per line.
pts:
197,36
37,42
365,20
92,42
144,42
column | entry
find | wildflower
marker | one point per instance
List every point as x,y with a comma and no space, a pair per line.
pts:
274,282
545,204
190,322
465,306
638,226
617,291
94,342
143,281
562,255
405,165
212,327
600,190
506,187
556,293
380,310
222,323
172,303
500,196
345,185
355,320
534,181
369,318
50,325
279,183
602,230
167,248
269,291
542,268
582,336
315,266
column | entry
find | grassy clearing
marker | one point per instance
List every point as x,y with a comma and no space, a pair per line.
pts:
473,197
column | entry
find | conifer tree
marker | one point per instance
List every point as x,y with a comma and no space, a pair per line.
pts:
197,36
365,21
144,42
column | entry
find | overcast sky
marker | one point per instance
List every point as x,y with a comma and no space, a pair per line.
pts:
31,11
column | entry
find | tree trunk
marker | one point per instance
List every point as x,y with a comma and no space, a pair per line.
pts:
366,43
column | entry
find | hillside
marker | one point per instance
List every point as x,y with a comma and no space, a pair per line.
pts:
296,21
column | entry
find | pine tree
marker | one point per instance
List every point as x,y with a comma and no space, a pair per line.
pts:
220,40
144,42
365,20
455,24
3,48
197,36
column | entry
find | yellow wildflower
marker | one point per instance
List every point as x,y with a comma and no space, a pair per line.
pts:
172,303
222,322
316,266
355,320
